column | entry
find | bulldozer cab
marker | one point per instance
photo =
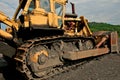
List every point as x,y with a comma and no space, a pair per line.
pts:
41,13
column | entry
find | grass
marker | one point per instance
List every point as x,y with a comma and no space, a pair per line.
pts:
104,26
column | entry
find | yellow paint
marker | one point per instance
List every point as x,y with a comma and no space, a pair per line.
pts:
34,58
5,35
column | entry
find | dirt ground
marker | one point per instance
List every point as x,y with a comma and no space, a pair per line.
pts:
106,67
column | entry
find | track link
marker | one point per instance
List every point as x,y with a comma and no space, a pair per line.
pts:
23,53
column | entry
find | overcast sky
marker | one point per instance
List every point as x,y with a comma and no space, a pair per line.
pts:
94,10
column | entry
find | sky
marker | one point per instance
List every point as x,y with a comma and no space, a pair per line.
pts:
106,11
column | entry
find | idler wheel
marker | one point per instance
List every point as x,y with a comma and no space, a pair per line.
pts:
42,59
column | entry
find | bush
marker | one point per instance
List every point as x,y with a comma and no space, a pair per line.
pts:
104,26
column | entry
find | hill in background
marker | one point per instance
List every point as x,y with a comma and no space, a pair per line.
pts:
94,26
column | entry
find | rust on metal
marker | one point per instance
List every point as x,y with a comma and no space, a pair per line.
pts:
114,42
103,39
85,54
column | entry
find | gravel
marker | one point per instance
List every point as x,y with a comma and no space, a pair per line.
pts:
106,67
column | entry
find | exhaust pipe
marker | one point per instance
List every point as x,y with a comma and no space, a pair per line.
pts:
73,7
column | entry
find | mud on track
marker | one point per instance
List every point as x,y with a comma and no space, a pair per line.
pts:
106,67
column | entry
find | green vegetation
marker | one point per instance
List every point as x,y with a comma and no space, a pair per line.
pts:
104,26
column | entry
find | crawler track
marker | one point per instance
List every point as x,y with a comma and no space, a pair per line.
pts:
56,46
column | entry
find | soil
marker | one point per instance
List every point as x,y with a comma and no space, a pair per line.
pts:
106,67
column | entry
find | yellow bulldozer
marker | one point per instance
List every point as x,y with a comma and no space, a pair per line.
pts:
44,40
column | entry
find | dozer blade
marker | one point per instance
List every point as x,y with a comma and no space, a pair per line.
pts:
114,42
85,54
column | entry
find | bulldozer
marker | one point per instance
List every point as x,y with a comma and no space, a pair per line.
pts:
42,39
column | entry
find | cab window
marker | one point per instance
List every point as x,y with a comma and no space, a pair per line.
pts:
58,9
32,5
45,4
